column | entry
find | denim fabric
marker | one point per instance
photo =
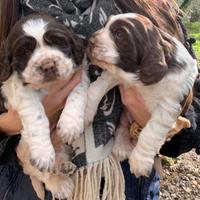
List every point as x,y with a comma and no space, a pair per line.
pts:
142,188
15,185
154,188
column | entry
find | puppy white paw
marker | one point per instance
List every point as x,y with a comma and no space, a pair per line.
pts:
43,158
69,128
122,152
61,187
64,167
139,165
124,144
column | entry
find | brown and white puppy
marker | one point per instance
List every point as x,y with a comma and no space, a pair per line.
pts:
38,52
133,51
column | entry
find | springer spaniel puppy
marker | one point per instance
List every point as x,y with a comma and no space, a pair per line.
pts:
38,52
133,51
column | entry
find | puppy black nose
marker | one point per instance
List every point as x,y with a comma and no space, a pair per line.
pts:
48,69
47,65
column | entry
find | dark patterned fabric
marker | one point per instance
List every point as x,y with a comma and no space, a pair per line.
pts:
83,16
142,188
3,143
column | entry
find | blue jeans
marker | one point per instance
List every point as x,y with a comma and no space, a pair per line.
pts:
142,188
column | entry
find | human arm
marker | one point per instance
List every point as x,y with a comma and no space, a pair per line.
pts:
134,103
10,122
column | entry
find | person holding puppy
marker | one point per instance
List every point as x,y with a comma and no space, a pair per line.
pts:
99,172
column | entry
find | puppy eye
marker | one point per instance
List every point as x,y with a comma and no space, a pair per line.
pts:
24,45
55,38
59,40
118,34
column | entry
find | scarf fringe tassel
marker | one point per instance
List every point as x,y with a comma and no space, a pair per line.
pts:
88,181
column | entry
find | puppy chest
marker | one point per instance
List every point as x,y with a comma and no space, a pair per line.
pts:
164,91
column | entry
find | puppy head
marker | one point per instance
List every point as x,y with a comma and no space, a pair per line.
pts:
132,43
41,50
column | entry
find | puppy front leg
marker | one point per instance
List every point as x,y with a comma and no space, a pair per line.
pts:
123,144
152,137
35,130
60,183
71,122
96,91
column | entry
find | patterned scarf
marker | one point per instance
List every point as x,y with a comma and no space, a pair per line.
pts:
92,151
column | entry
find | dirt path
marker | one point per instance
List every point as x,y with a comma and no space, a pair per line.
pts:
181,181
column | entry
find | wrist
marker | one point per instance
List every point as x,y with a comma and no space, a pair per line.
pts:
6,127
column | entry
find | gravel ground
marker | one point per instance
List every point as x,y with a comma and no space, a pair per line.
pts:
181,180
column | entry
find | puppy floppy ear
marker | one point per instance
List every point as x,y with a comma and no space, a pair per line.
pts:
69,43
153,65
78,49
5,67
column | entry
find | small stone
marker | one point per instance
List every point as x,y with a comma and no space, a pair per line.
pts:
188,190
181,180
194,182
167,172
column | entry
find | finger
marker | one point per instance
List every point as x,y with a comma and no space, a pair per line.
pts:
56,141
122,91
70,86
134,90
62,89
13,111
60,84
126,90
130,95
52,127
76,78
126,94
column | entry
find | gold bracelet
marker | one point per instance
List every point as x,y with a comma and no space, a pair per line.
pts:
135,130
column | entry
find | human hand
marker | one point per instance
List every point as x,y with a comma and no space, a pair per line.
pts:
134,102
55,100
55,139
10,122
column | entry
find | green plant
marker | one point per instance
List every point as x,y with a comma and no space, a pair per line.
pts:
194,31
